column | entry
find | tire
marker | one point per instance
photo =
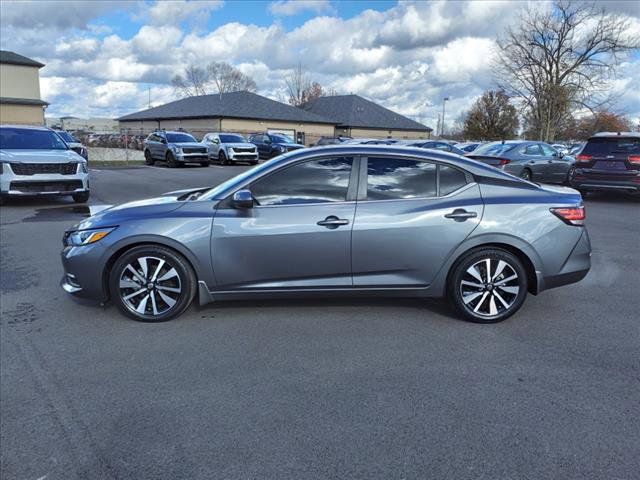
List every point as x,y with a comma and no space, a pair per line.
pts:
569,175
80,197
171,160
526,174
148,159
482,301
204,164
223,158
170,283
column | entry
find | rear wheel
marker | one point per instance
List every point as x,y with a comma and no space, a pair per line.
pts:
488,285
148,159
526,174
80,197
570,175
151,283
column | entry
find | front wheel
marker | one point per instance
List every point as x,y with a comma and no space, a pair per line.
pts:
148,159
151,283
171,160
82,197
488,285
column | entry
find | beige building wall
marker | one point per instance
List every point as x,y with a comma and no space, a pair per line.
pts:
19,81
21,114
375,133
312,131
199,127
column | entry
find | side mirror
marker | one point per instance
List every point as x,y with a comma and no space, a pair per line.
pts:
216,141
163,140
243,199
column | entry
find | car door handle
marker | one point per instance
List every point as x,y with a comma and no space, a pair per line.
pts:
460,215
333,222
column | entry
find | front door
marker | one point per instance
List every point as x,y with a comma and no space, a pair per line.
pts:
557,165
414,216
297,235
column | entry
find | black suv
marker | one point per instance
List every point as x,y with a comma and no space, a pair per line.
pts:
273,144
609,161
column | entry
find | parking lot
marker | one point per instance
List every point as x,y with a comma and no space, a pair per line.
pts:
393,388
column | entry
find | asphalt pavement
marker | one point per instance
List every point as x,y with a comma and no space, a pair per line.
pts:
314,389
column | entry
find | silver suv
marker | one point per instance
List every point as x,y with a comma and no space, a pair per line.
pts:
229,148
175,148
36,161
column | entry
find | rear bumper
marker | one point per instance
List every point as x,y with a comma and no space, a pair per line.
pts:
574,269
588,179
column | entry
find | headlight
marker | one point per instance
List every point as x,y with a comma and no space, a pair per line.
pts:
82,167
176,149
281,148
85,237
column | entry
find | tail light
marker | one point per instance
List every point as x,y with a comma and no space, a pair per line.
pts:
504,161
582,158
635,159
570,215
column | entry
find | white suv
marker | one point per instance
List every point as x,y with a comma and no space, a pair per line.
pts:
36,161
229,148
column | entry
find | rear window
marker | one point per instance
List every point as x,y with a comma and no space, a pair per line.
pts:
612,145
494,148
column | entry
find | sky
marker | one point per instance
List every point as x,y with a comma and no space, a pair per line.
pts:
107,58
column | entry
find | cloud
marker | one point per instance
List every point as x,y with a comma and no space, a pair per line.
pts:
287,8
167,12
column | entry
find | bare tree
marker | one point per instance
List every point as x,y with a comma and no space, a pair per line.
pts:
492,117
227,78
192,83
561,60
300,88
217,77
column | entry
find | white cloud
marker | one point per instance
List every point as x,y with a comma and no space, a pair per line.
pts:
167,12
285,8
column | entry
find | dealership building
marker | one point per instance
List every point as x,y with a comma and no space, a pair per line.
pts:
246,112
20,101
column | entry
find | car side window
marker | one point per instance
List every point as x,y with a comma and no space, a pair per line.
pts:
533,150
451,179
547,151
398,178
316,181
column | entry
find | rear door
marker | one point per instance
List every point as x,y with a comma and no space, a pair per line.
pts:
557,164
411,215
297,235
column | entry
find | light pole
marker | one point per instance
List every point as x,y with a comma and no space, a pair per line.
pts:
444,101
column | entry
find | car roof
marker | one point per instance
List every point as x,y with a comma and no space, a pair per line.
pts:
616,134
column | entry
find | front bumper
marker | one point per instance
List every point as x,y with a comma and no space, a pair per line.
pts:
589,179
192,157
12,184
242,156
83,267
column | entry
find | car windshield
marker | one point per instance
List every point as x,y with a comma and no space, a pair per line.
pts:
282,139
494,148
30,139
179,138
606,145
232,139
67,137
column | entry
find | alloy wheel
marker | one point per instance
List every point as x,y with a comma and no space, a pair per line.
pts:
150,286
489,287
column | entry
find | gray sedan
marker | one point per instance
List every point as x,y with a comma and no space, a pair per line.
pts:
338,220
535,161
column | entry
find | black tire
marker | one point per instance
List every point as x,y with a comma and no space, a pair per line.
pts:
223,158
171,160
80,197
204,164
488,301
570,173
526,175
148,159
182,279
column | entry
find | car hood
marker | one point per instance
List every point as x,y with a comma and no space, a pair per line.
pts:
239,145
40,156
146,208
189,145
